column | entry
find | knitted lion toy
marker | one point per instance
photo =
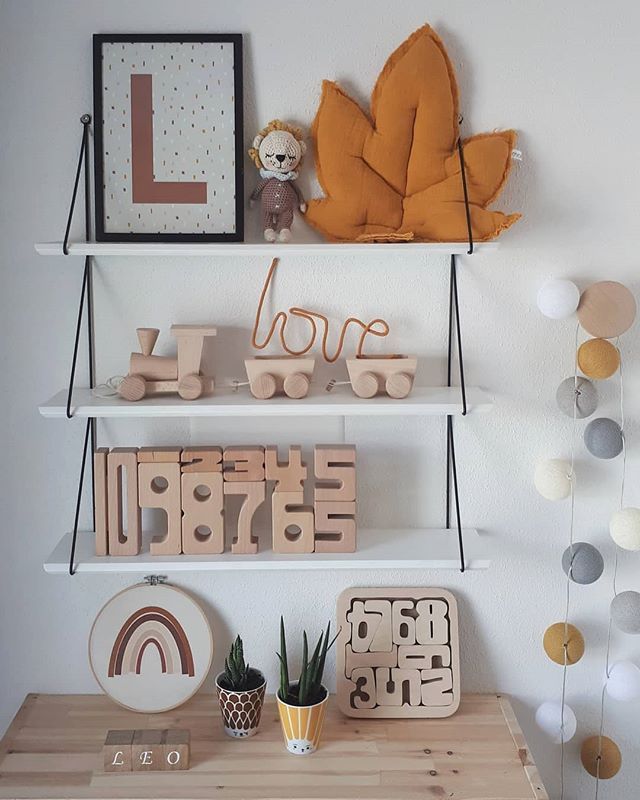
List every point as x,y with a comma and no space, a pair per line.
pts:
277,152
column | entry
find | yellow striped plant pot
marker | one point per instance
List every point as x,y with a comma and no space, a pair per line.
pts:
302,725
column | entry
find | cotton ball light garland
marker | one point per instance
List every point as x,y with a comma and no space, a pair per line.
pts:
607,309
550,719
623,682
583,563
553,479
598,359
624,528
601,757
558,298
554,641
625,612
578,392
603,438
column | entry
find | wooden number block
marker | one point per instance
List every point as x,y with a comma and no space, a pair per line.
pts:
122,476
363,626
147,750
335,527
292,523
255,493
395,687
176,749
289,477
244,464
354,660
382,640
201,459
404,625
335,471
202,513
159,487
432,623
159,455
363,694
424,656
117,751
437,687
101,507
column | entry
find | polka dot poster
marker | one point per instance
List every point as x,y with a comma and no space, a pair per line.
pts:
169,138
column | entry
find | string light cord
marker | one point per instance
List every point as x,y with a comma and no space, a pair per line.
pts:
614,582
565,643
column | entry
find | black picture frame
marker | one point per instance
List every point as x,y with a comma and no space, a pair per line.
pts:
98,118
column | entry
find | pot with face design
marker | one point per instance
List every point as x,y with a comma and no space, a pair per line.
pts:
302,725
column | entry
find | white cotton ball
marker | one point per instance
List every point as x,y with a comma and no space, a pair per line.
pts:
558,299
624,528
552,479
623,682
549,718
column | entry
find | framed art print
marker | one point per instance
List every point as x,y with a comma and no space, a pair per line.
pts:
168,137
150,648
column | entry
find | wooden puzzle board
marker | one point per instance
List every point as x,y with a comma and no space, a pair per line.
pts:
398,653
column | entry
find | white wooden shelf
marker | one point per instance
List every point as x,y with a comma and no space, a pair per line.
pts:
377,549
423,401
313,248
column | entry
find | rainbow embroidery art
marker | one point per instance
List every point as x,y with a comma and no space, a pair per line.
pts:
150,648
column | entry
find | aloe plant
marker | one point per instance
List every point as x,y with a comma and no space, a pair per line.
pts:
238,676
308,689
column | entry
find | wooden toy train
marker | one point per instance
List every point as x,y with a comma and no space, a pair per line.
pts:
151,374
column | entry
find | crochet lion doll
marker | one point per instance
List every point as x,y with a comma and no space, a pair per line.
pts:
277,152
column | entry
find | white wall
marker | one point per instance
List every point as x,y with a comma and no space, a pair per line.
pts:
564,74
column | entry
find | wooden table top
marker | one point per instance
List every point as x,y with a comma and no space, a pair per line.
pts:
53,750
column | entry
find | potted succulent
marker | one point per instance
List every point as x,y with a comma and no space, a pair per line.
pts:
241,690
302,704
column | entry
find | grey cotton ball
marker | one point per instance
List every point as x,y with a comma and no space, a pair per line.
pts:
603,438
625,612
584,561
582,389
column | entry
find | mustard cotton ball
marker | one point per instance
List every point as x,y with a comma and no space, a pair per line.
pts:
610,759
598,359
554,640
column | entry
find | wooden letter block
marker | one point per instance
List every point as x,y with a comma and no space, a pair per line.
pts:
201,459
292,523
335,527
159,487
432,624
101,506
122,475
363,694
354,660
147,750
176,749
203,507
335,471
424,656
117,751
247,464
289,477
255,493
437,687
159,455
404,626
